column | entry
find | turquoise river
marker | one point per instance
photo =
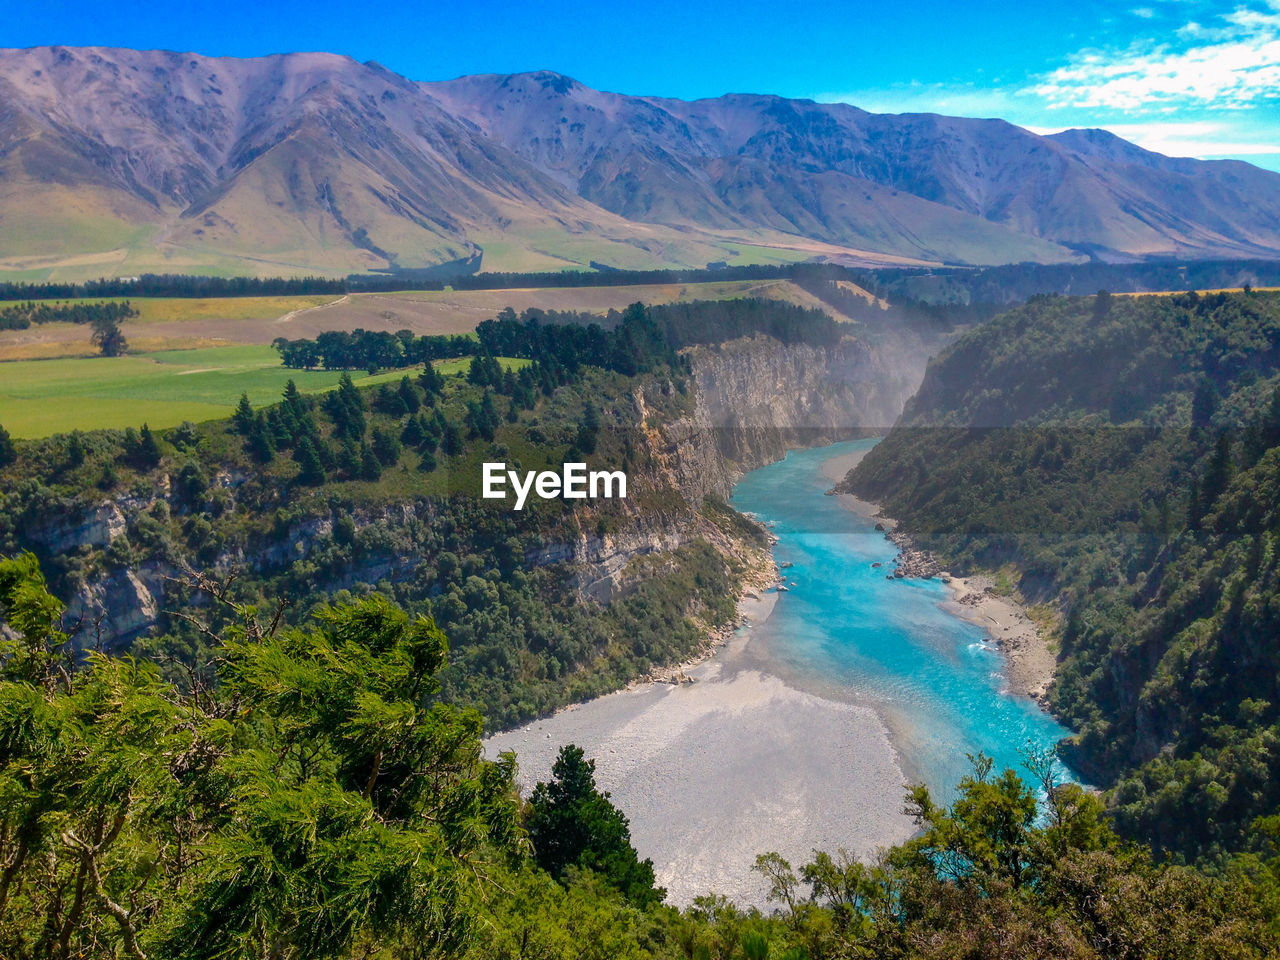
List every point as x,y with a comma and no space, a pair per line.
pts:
935,679
804,730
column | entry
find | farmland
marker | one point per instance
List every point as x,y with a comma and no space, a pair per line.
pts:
42,397
190,359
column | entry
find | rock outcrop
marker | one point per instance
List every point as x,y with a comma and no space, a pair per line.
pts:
752,400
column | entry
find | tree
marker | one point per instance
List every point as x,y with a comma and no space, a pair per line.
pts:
370,468
316,797
310,469
8,453
589,429
409,395
75,449
144,452
386,447
431,380
243,417
260,441
451,441
107,336
1204,403
571,823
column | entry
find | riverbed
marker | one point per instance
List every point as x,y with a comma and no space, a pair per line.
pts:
804,730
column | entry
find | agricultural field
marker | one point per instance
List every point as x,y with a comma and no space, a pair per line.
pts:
190,359
42,397
173,323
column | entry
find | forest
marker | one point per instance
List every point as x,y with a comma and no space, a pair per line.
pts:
312,795
21,316
288,764
1121,456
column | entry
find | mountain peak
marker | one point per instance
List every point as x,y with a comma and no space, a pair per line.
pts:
162,161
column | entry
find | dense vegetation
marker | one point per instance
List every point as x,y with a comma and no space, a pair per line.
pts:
625,341
21,316
309,797
1124,455
371,349
358,491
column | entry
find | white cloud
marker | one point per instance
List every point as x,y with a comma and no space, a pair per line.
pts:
960,100
1186,139
1235,62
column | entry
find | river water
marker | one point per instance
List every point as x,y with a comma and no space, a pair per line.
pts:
847,630
803,732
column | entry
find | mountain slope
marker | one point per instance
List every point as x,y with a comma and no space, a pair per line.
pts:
119,161
1083,189
1124,455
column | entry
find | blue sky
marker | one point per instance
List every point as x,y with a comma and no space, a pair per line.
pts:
1185,77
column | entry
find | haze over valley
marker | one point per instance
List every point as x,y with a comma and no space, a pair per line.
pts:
496,518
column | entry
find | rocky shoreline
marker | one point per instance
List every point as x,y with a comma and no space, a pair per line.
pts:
755,603
1029,660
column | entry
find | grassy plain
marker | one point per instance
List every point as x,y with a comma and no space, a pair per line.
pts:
42,397
190,359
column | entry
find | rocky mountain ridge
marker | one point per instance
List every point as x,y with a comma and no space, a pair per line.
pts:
117,161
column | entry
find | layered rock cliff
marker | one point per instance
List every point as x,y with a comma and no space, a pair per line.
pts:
747,402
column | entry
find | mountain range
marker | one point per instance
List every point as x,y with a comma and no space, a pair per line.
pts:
116,161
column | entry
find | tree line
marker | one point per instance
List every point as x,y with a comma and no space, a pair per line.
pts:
23,315
371,349
627,342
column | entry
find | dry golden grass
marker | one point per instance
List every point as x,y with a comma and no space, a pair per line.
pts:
1170,293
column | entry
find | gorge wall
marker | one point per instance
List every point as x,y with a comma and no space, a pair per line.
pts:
753,399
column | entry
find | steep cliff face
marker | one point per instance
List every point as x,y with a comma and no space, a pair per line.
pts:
747,403
757,398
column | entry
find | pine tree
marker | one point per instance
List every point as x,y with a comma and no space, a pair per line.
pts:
294,401
310,469
409,396
370,468
243,416
412,435
260,442
386,447
571,823
147,452
346,406
589,429
430,380
451,440
8,453
349,460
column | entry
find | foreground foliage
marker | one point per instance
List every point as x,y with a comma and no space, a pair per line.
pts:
311,801
310,797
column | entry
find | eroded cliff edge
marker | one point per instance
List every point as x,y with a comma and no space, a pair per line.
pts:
745,404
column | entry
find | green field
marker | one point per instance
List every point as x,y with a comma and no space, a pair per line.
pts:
42,397
39,398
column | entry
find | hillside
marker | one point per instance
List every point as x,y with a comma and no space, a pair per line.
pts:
290,755
316,163
1123,454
